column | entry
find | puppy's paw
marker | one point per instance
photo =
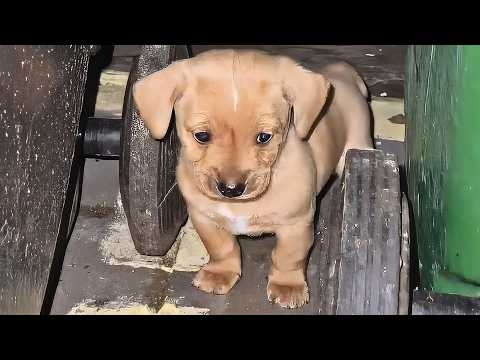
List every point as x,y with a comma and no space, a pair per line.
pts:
288,296
218,283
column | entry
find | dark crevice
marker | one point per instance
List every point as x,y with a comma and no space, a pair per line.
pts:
72,201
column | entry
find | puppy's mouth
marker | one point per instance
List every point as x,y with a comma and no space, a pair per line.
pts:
254,187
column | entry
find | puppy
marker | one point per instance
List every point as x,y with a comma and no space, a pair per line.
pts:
260,137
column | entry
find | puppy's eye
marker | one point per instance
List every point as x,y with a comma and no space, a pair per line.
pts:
202,137
263,138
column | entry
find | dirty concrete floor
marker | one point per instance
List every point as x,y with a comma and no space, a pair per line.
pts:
97,268
87,278
102,273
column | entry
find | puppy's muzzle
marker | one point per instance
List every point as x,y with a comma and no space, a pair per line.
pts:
230,190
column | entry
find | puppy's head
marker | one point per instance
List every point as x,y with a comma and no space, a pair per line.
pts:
232,115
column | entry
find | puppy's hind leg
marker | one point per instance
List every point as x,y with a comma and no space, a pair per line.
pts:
224,268
286,281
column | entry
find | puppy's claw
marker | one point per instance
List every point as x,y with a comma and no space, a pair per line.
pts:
288,296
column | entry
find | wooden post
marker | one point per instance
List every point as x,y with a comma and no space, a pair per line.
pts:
41,102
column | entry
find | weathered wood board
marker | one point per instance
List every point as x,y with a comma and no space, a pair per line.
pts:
41,102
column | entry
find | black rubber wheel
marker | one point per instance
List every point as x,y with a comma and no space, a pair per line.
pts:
152,202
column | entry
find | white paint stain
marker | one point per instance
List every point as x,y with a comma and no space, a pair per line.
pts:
192,255
124,306
117,247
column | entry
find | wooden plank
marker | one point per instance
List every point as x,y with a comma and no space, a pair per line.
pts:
328,234
370,249
41,101
426,303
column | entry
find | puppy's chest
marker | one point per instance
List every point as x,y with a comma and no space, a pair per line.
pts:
242,222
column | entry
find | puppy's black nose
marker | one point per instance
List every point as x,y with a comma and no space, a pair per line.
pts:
231,190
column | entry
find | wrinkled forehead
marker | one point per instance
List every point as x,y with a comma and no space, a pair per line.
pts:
229,87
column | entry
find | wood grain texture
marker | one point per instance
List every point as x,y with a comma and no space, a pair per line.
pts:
328,231
370,251
425,303
41,102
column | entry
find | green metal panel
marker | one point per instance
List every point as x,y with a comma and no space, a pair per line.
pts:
442,103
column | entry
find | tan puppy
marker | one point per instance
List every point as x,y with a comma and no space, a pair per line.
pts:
244,167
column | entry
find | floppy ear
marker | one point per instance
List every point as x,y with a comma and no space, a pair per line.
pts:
155,96
307,92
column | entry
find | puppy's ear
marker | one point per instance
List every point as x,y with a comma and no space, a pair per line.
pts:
307,92
155,96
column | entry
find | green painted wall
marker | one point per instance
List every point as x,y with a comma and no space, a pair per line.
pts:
442,104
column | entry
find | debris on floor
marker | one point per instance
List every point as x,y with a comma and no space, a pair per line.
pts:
388,113
125,307
117,247
107,252
192,254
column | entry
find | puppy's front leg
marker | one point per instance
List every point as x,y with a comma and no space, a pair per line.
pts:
224,267
286,280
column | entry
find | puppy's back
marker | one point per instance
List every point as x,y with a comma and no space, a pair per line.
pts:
343,71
